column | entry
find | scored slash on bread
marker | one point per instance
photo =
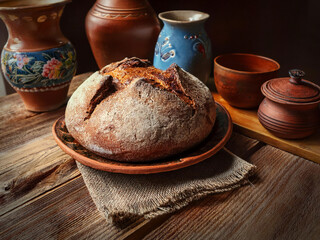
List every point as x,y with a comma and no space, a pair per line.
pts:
120,74
132,111
106,89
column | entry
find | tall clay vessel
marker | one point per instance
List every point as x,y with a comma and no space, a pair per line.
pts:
184,41
121,28
38,60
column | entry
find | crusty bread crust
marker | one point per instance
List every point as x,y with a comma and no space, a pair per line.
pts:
139,121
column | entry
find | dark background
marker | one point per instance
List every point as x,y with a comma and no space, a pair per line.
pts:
287,31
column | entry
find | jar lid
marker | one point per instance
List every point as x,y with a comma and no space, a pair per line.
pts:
292,90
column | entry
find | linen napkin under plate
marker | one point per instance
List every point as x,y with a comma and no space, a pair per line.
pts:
123,198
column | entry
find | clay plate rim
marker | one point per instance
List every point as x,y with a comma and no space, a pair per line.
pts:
148,167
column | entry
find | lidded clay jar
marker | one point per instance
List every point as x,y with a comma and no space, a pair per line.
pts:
290,108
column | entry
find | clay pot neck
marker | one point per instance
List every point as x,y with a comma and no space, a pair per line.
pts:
33,28
184,18
131,5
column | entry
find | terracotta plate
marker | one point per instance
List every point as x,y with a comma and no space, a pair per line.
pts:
218,137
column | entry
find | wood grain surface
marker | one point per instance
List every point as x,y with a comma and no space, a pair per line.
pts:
43,196
247,122
282,203
30,162
66,212
69,202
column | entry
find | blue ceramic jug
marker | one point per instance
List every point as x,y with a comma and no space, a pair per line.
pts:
184,41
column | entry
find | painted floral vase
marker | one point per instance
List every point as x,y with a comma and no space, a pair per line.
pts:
37,60
117,29
184,41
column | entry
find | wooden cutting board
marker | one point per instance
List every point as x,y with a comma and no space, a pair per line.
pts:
247,123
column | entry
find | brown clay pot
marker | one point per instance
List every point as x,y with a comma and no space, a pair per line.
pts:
117,29
239,76
38,61
291,106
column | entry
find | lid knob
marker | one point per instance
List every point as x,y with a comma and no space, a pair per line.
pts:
292,90
296,75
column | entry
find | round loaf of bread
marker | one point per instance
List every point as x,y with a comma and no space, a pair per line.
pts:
130,111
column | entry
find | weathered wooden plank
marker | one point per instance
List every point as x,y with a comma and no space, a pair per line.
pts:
31,163
12,109
20,132
24,177
238,144
66,212
243,146
282,203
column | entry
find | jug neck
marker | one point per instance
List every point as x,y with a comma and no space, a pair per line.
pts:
199,26
184,18
123,4
33,29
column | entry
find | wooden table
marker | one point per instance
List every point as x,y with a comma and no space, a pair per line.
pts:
43,196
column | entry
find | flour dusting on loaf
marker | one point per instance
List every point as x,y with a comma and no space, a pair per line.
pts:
131,111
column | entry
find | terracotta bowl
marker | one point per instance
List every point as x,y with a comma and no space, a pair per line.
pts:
239,76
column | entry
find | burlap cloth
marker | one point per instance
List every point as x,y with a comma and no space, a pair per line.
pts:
124,198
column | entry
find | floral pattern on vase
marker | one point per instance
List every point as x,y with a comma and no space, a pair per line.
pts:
37,60
165,50
39,69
